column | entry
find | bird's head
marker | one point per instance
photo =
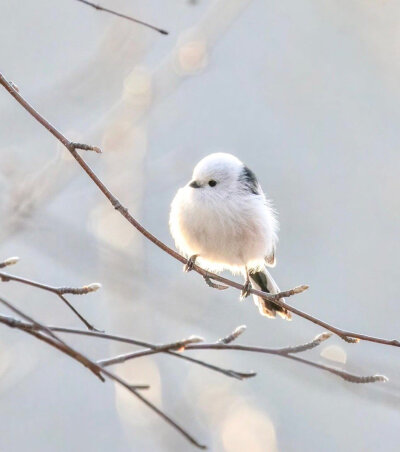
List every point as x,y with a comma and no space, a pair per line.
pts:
222,174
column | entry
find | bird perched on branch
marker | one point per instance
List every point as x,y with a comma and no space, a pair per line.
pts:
222,220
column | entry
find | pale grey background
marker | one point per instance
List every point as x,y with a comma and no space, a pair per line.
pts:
307,94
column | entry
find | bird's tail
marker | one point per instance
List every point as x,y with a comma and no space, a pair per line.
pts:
262,280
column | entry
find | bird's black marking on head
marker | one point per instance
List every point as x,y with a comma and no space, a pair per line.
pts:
250,180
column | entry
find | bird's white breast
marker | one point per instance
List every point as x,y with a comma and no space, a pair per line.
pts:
225,232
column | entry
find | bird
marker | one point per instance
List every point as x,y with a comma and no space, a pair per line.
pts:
222,220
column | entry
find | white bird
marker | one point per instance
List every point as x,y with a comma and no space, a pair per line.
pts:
222,220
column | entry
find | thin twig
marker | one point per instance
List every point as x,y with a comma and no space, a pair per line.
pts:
59,291
179,345
228,372
351,378
349,336
219,346
169,348
285,352
46,334
124,16
35,328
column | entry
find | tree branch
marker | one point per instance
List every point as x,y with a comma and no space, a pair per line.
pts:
59,291
44,334
124,16
72,147
189,344
285,352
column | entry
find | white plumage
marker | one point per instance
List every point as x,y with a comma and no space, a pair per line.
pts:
224,219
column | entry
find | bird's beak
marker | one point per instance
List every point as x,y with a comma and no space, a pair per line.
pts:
194,184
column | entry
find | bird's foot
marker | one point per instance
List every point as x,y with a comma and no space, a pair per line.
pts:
190,263
246,290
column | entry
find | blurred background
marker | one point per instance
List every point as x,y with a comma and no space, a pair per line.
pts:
304,92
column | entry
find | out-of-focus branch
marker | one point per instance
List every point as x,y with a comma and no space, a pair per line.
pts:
45,334
194,343
217,346
124,16
285,352
59,291
72,147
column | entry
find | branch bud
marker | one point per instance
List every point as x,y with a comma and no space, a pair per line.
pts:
300,289
91,287
10,261
322,337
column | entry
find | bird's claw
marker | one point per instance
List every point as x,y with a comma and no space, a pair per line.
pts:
190,263
246,290
212,284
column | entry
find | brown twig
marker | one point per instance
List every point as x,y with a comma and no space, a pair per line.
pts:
349,336
221,345
59,291
97,334
239,375
47,335
169,348
124,16
285,352
351,378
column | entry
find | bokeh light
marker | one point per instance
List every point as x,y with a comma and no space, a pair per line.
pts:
334,353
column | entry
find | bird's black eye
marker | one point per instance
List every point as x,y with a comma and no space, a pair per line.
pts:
212,183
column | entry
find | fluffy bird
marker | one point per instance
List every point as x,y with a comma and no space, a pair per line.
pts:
222,220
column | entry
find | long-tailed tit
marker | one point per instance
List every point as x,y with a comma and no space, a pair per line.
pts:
223,220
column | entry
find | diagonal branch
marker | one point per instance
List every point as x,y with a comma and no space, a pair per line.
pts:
72,147
124,16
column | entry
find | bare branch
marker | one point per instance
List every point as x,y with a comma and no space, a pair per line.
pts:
180,345
47,335
124,16
59,291
230,373
36,329
349,336
285,352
